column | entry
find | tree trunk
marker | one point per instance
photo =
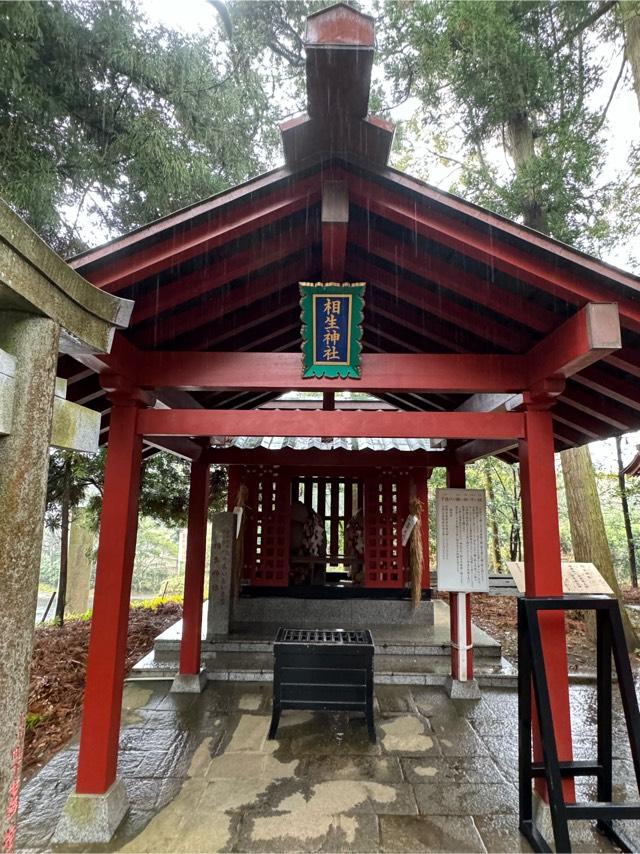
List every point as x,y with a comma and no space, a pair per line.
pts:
631,546
64,543
522,151
630,12
515,538
493,521
588,535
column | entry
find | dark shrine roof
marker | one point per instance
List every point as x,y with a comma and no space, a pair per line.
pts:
443,275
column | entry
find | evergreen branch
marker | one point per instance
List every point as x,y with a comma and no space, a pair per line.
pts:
587,22
613,92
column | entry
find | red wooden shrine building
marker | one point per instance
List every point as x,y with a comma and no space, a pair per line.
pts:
477,331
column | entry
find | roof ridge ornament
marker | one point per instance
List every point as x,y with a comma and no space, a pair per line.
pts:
340,44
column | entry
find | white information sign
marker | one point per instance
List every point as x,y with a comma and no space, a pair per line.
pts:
463,564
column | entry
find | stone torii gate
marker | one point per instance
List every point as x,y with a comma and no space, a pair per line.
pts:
45,308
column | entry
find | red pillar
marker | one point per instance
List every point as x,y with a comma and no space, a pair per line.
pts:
543,571
108,644
195,566
460,607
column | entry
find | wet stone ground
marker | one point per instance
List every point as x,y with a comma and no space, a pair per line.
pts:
202,777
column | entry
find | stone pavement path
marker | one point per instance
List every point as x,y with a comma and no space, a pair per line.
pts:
202,777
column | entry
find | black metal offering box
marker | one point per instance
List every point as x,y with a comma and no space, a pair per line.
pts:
323,670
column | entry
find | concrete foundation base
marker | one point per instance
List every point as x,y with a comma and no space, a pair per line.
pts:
92,819
457,690
189,683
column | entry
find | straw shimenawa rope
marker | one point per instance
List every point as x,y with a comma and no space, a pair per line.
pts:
416,553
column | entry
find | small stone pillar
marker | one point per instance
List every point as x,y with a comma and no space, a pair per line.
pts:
81,541
223,537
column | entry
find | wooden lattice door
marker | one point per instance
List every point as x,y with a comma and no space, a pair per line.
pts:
385,508
267,537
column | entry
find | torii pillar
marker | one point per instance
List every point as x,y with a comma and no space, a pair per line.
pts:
43,305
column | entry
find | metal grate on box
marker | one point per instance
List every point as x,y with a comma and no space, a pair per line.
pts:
325,636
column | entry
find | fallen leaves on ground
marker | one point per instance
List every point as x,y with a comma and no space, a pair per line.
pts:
497,615
58,667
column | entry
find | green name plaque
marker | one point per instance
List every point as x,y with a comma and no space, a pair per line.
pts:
331,329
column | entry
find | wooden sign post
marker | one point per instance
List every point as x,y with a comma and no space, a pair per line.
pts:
577,578
463,568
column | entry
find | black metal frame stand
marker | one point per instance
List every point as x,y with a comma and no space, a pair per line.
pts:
532,675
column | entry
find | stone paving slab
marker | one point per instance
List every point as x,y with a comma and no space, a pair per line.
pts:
201,775
457,799
429,833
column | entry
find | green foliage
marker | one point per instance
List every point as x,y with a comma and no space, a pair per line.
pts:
106,116
513,76
156,556
156,602
86,470
33,720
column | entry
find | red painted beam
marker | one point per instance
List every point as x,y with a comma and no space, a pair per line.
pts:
220,273
600,407
339,458
494,223
209,208
611,386
627,360
454,279
234,330
168,327
450,425
282,371
197,240
430,301
426,327
521,264
593,332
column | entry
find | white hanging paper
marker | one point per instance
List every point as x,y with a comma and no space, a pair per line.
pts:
409,524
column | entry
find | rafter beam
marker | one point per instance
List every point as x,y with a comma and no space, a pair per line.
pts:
416,260
336,458
588,336
179,446
199,239
479,448
531,267
236,266
222,303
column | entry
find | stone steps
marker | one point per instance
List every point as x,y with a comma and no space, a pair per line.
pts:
258,667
